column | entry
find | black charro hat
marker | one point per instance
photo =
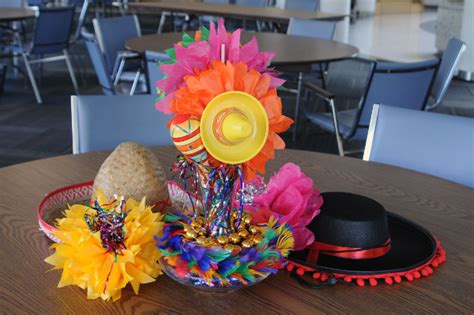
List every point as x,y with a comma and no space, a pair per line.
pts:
357,241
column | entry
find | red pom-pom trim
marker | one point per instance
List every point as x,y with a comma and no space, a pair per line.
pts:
389,278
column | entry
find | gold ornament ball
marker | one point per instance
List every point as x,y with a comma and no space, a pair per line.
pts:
243,233
201,240
191,234
247,243
229,247
222,239
258,238
246,219
210,241
234,238
253,229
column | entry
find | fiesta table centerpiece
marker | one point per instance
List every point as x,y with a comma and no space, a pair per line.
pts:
227,116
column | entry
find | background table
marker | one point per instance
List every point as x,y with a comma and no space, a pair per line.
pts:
12,14
291,50
443,207
271,14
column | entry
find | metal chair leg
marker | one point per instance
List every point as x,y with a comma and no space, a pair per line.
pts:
119,71
135,83
162,22
297,106
340,147
71,71
32,79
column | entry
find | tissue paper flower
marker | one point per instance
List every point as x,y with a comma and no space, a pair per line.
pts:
191,56
291,198
199,90
103,248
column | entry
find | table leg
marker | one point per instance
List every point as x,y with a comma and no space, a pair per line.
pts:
297,105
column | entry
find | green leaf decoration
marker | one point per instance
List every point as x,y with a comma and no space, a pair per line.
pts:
186,40
164,252
204,33
171,52
170,217
218,256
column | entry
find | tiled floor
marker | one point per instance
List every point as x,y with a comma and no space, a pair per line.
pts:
394,33
29,131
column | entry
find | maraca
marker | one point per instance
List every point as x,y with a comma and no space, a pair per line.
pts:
185,133
234,127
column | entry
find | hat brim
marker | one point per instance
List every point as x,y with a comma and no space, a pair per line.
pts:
411,246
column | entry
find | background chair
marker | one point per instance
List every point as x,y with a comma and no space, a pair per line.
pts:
449,62
406,85
50,36
102,122
111,34
154,74
100,67
312,28
302,5
98,62
437,144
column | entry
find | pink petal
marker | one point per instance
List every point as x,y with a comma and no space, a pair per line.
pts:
303,238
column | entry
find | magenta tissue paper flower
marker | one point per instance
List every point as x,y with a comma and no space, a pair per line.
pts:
290,197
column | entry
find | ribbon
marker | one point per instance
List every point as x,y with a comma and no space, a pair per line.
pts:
346,252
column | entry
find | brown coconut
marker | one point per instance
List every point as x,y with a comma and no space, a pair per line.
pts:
133,171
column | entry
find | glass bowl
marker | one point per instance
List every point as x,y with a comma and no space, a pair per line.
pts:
195,281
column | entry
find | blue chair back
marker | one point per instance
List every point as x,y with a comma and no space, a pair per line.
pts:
302,5
217,1
52,30
102,122
449,62
251,3
404,84
312,28
153,60
431,143
112,33
35,3
98,62
12,3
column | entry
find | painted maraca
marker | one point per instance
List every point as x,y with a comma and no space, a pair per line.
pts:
186,135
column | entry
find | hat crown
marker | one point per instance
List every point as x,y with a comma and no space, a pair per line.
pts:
350,220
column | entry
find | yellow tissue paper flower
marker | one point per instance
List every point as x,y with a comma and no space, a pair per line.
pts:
87,263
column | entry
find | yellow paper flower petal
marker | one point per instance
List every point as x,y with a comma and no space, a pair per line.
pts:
87,264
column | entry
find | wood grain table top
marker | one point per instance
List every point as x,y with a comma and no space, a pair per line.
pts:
290,50
443,207
272,14
13,14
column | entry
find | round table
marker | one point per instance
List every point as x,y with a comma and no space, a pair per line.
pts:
14,14
290,50
443,207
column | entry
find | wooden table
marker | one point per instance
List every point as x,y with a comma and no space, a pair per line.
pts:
290,50
13,14
271,14
443,207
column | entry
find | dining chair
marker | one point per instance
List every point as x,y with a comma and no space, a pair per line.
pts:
449,61
98,62
302,5
402,84
315,29
112,33
12,3
154,74
100,67
101,122
252,3
50,37
437,144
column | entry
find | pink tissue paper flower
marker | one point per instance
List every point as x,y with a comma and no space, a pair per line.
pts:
290,197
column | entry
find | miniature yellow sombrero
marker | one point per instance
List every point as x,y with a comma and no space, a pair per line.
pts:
234,127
